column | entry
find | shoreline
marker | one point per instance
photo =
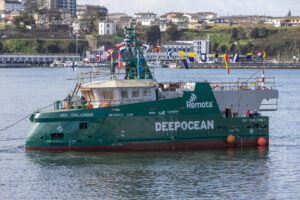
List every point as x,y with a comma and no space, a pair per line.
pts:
191,66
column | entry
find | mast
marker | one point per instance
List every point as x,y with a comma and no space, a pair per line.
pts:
132,53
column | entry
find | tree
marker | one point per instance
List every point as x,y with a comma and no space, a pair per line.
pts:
254,33
223,48
17,20
171,33
88,22
153,35
35,6
28,19
234,34
232,48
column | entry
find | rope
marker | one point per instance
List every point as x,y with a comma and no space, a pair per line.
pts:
22,119
11,139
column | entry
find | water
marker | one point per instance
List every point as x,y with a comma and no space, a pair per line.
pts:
206,174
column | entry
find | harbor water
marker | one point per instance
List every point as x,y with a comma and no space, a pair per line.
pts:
249,173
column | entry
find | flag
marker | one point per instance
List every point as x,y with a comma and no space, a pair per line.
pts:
141,68
235,58
146,47
226,62
74,67
157,49
98,57
264,56
191,56
183,59
263,79
216,55
260,54
203,57
249,56
109,52
120,62
86,60
122,48
169,53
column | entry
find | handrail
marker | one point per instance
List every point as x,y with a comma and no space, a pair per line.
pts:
69,105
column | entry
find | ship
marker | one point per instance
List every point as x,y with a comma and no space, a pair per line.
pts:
131,111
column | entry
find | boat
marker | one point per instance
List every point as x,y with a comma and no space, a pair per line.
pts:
57,63
131,111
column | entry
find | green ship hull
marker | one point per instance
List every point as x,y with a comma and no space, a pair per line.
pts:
193,121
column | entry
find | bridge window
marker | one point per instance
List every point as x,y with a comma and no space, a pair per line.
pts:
135,93
107,94
146,92
124,94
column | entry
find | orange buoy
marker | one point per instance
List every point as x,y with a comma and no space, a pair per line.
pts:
230,139
261,141
106,104
68,107
88,105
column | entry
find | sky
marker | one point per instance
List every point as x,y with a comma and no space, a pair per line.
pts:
221,7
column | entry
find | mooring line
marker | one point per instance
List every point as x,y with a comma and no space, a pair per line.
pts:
20,120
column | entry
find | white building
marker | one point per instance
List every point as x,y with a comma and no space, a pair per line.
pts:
275,22
163,25
146,19
198,45
107,28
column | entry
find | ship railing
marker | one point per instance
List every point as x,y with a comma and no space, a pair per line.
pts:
102,74
245,84
89,104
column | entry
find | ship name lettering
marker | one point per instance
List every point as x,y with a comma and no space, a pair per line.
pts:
82,115
205,104
184,125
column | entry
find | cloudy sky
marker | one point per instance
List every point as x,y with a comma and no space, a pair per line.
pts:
222,7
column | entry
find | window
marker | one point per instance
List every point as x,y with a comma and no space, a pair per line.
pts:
146,92
124,94
107,25
135,93
83,125
57,136
107,94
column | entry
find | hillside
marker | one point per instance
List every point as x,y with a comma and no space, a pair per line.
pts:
282,42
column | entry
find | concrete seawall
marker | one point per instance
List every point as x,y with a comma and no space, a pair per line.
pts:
240,66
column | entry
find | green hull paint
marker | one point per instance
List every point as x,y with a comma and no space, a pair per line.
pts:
192,119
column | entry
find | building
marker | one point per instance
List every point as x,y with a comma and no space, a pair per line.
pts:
197,25
291,21
198,45
65,5
93,9
116,16
163,25
11,5
107,28
121,19
176,18
146,19
274,22
223,22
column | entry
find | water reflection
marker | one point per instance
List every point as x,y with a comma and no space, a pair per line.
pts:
153,174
